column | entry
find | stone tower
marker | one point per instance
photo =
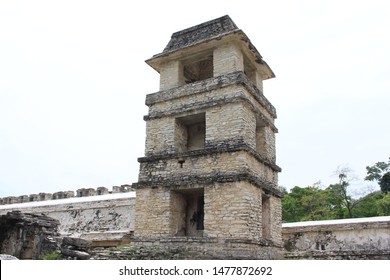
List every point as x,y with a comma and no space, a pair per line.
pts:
208,180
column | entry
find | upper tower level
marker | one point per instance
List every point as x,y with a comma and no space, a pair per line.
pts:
209,50
211,93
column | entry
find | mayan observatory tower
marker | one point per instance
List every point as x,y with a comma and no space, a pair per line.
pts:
208,180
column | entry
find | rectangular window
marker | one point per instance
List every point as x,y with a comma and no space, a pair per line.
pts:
198,69
187,207
190,132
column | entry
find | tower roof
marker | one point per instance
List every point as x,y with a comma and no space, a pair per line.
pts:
200,33
209,33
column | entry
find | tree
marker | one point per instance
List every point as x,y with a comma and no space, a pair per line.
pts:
369,205
384,183
380,172
384,205
340,189
309,204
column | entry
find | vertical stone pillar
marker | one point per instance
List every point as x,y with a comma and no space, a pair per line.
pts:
227,59
33,197
171,75
45,196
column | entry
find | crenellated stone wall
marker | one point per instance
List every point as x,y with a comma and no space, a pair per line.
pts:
94,214
83,192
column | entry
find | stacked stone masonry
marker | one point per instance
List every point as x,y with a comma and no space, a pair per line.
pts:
209,170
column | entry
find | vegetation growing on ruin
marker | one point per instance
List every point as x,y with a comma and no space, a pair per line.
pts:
55,255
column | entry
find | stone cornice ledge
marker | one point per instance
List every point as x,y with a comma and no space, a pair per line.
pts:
214,83
177,182
214,148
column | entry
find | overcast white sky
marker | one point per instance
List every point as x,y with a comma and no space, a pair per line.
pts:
73,83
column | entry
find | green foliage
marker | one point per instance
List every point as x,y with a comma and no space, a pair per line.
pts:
308,204
340,191
52,256
384,183
376,172
312,203
368,206
384,205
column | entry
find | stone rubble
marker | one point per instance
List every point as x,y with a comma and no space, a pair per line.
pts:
27,236
75,248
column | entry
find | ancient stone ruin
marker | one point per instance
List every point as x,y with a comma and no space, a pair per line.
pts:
208,179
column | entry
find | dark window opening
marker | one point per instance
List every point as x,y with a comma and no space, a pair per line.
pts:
198,215
190,132
188,212
198,70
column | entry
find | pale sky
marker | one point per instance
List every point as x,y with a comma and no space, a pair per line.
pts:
73,83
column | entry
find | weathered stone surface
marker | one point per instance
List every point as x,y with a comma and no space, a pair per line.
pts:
230,112
211,248
62,195
75,248
129,252
76,242
75,254
84,215
86,192
27,236
201,32
209,169
4,257
45,196
101,191
366,238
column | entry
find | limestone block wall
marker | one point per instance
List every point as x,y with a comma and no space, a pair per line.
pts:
365,238
228,58
230,122
160,136
152,213
233,211
178,219
276,220
171,75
